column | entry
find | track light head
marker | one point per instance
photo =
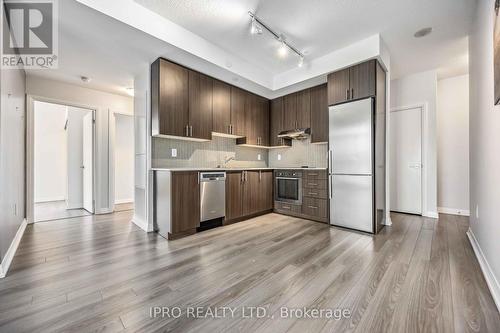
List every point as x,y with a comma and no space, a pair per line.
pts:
301,61
255,29
283,49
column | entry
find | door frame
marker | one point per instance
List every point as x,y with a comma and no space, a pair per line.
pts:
423,138
111,157
30,150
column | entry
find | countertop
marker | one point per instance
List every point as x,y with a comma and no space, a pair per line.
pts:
231,169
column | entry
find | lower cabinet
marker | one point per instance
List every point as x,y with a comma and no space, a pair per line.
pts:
314,198
248,193
185,202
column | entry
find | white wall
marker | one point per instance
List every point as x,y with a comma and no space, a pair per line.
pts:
12,170
124,158
102,102
50,152
484,143
453,145
417,89
75,157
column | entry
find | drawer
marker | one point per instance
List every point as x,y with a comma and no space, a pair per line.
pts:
315,174
283,206
315,207
320,184
315,193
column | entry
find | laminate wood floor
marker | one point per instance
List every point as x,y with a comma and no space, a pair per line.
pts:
101,273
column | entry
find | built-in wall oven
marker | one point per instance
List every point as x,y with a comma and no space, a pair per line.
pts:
288,186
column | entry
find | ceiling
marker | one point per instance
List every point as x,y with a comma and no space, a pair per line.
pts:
319,27
111,51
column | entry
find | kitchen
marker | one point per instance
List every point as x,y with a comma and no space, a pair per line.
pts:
223,155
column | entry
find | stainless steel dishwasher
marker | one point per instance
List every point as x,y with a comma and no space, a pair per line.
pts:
212,195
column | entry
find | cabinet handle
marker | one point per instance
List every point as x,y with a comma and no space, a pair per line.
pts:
352,93
242,173
347,94
228,129
313,184
260,175
232,130
187,130
285,207
312,193
313,207
191,131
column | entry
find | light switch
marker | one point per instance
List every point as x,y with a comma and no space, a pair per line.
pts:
259,157
174,152
279,157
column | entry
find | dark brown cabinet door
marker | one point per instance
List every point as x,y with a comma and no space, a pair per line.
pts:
263,121
200,106
238,111
276,119
338,86
362,80
319,114
185,201
170,98
304,109
265,190
221,107
251,191
234,192
251,119
290,112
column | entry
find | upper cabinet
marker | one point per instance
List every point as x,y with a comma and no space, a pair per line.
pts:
256,112
169,99
319,114
181,101
221,107
238,97
200,106
276,124
304,109
352,83
297,110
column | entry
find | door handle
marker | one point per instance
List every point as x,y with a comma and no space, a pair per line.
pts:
330,188
330,161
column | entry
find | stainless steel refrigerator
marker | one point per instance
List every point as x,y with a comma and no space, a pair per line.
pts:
356,158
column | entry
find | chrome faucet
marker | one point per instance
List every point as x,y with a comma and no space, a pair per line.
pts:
227,159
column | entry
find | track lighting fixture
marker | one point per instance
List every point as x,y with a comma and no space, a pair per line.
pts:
257,26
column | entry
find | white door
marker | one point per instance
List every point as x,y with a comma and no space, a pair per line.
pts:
88,162
406,161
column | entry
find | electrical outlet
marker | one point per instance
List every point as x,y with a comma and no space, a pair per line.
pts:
174,152
477,212
259,157
279,157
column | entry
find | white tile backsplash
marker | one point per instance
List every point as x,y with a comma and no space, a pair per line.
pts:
205,154
302,153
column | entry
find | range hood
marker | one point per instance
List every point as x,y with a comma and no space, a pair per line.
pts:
296,134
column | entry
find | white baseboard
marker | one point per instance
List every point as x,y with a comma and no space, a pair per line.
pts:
489,276
454,211
77,205
122,201
434,215
42,200
9,255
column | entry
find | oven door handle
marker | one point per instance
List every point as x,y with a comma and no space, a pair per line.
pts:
289,178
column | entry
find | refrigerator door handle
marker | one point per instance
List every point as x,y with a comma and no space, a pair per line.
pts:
330,161
330,187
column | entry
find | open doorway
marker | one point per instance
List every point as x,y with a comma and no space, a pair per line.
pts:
123,161
63,161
